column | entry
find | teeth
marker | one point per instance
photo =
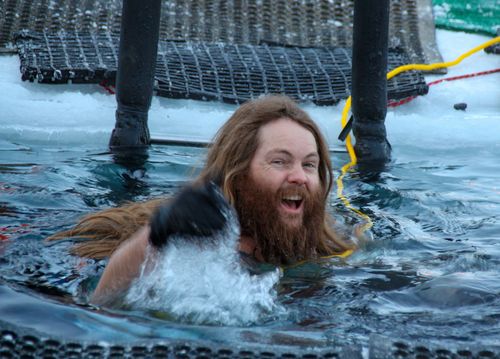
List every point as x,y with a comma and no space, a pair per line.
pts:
293,198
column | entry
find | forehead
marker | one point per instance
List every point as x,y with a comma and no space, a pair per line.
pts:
286,134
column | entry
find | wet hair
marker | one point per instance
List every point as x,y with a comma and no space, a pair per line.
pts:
228,159
102,232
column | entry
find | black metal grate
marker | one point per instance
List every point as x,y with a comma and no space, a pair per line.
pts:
302,23
208,71
382,348
16,342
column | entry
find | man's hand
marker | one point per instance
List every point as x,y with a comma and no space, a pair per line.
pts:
195,211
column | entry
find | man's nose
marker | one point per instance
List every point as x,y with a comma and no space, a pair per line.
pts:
297,175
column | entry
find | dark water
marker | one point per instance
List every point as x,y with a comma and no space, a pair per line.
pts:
431,273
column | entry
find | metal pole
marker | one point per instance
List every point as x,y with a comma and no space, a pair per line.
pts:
140,27
369,83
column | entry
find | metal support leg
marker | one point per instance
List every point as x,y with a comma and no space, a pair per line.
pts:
135,77
369,83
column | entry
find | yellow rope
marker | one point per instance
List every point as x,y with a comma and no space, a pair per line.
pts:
344,254
350,150
439,65
397,71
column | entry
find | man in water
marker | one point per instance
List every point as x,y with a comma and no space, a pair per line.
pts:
269,162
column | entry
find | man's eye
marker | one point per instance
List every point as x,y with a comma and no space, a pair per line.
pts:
310,165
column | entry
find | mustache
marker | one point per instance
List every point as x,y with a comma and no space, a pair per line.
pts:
293,190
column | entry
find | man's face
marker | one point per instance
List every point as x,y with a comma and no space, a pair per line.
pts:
286,162
279,201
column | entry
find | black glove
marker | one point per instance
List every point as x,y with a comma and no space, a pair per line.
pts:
196,211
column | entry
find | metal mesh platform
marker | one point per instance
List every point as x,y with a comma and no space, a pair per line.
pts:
207,71
302,23
17,342
382,348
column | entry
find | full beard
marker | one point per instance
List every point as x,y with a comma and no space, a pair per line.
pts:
282,238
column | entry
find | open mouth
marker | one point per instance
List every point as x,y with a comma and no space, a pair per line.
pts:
292,203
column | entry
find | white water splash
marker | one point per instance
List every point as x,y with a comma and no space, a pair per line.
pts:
205,284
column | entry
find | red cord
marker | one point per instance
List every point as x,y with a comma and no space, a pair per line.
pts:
392,103
109,89
464,76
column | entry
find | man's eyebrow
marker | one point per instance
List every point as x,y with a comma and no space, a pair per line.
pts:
313,154
278,151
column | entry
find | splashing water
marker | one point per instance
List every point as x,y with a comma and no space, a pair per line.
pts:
202,281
